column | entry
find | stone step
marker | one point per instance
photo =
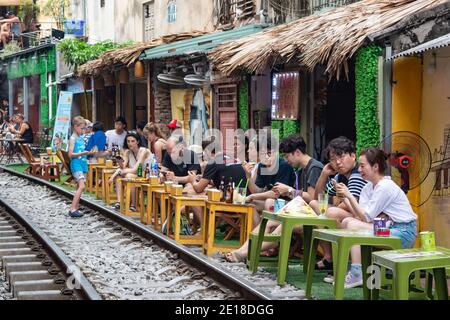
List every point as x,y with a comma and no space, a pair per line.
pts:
29,275
9,239
14,252
42,295
23,266
34,285
13,245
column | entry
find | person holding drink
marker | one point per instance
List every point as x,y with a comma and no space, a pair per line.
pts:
343,167
294,150
380,196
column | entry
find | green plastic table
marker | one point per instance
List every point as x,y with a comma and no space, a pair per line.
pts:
288,223
342,241
404,262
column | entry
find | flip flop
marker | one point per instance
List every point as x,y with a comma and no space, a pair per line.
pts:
234,257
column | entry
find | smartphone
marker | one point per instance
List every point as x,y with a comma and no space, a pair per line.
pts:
334,182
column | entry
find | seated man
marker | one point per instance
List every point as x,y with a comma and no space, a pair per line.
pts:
294,149
10,27
271,171
178,163
216,169
343,166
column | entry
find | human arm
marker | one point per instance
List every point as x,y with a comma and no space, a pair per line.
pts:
322,185
74,155
262,196
252,187
140,161
200,186
159,146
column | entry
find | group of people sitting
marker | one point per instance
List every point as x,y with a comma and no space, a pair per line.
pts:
10,28
359,189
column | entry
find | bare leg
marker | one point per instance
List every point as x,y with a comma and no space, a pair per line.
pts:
77,196
355,224
198,215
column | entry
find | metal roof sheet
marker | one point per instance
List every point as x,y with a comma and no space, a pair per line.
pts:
440,42
200,44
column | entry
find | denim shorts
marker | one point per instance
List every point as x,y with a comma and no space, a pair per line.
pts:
407,232
79,175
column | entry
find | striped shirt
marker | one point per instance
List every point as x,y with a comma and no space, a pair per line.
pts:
355,183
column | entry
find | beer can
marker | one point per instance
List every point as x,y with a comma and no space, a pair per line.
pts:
378,223
427,241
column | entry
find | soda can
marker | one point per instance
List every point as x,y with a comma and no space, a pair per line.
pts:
279,204
427,241
383,232
378,223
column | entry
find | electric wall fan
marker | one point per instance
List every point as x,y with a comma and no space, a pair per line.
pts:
409,157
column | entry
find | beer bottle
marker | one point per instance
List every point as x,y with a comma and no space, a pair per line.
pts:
139,171
147,171
229,193
222,190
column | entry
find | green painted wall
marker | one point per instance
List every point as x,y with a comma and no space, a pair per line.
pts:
39,62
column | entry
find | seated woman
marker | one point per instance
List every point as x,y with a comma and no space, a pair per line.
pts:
25,131
134,156
380,196
157,141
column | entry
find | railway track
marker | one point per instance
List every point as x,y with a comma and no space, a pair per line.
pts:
123,259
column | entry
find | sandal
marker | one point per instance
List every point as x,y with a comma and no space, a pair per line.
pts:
132,208
324,264
234,257
117,206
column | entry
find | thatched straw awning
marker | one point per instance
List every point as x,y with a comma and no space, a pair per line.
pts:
128,55
329,38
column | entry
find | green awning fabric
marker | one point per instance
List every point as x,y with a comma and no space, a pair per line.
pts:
200,44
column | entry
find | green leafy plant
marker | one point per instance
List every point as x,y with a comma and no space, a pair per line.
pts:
10,48
366,82
286,127
28,11
76,52
243,105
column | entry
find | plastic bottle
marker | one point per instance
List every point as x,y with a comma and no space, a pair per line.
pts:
155,167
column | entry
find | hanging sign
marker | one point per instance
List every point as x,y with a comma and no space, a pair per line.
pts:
62,122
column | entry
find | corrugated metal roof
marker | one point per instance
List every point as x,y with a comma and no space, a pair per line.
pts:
200,44
440,42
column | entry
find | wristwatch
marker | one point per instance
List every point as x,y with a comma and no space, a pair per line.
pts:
291,192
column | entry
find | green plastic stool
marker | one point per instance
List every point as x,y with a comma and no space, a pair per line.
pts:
342,241
288,223
405,262
253,250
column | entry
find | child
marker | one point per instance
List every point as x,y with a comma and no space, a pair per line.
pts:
78,163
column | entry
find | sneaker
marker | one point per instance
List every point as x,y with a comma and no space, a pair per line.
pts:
351,281
329,278
75,214
117,206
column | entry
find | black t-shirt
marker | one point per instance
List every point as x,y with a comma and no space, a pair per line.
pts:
284,175
181,168
218,168
308,176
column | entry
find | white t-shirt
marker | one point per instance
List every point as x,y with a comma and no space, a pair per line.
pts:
113,138
386,198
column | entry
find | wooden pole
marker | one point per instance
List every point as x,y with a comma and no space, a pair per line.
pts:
94,101
117,96
150,103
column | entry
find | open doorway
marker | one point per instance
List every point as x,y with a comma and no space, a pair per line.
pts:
334,109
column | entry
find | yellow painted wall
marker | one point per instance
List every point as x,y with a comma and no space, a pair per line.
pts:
406,105
435,117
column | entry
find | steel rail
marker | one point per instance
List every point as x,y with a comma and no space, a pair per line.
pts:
212,269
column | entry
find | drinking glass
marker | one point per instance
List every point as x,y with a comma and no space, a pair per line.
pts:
239,195
323,203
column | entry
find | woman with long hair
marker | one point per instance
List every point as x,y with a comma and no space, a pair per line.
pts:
157,141
134,156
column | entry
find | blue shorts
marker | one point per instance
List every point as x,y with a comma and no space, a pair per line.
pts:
407,232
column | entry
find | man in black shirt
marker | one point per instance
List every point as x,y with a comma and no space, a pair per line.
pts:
218,166
179,161
271,171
